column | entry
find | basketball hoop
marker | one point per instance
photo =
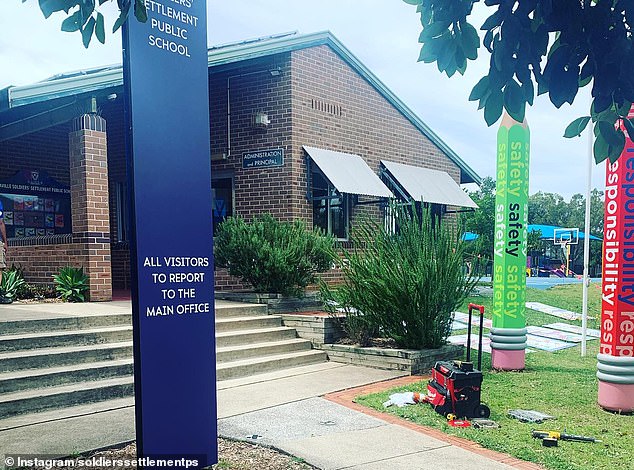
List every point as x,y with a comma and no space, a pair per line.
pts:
565,237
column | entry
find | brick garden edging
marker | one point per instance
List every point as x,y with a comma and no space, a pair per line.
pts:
410,360
277,303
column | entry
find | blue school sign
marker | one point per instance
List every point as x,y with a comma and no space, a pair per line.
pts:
167,113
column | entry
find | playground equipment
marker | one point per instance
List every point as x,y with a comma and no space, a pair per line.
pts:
565,237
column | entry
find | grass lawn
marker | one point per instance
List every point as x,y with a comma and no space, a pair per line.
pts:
562,384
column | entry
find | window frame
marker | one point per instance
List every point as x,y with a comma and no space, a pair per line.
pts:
223,175
333,194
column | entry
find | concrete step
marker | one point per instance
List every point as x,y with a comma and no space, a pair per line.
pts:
41,399
65,323
234,309
54,357
234,353
51,339
252,366
247,323
54,376
260,335
22,421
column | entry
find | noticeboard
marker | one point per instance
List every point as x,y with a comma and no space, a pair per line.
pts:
35,205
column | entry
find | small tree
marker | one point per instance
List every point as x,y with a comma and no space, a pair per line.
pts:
273,256
406,284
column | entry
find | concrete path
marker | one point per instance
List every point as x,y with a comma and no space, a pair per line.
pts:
306,411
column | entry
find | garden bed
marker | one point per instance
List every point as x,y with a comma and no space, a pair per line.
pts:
408,360
277,303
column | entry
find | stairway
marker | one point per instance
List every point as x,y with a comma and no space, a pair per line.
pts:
55,363
249,342
62,362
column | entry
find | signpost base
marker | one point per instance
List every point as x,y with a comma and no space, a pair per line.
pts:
508,360
616,397
616,382
508,348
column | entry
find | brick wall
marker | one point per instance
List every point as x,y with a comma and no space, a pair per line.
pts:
40,262
318,100
334,108
253,89
43,150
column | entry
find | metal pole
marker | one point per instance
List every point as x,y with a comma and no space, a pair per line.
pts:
586,247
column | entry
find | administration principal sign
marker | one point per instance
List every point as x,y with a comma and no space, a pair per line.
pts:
166,79
263,158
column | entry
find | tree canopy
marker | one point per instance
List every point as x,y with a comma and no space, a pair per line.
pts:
84,16
535,46
558,45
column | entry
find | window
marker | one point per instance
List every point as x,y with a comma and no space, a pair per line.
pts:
330,208
222,200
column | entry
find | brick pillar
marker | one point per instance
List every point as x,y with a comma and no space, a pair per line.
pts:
89,201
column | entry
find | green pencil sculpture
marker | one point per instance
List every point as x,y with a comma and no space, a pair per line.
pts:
508,335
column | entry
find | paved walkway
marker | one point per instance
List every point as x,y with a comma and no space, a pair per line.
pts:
307,412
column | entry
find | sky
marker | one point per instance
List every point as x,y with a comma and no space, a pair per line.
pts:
383,34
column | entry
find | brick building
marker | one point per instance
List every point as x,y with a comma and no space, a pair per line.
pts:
299,128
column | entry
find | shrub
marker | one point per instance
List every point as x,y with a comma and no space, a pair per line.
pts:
272,256
35,291
71,284
406,284
12,282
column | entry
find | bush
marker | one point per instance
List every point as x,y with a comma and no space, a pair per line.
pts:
71,284
406,284
12,282
35,291
272,256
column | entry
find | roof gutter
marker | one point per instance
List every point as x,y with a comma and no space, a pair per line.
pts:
28,94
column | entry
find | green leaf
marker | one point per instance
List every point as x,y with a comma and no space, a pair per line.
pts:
529,91
612,136
629,127
49,7
433,30
72,23
87,8
470,40
123,16
514,101
584,82
86,33
413,2
576,127
140,11
100,31
564,85
428,53
492,21
493,107
600,149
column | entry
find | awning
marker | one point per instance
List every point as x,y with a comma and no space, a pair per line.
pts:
348,173
428,185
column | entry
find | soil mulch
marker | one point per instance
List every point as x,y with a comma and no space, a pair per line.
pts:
232,455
